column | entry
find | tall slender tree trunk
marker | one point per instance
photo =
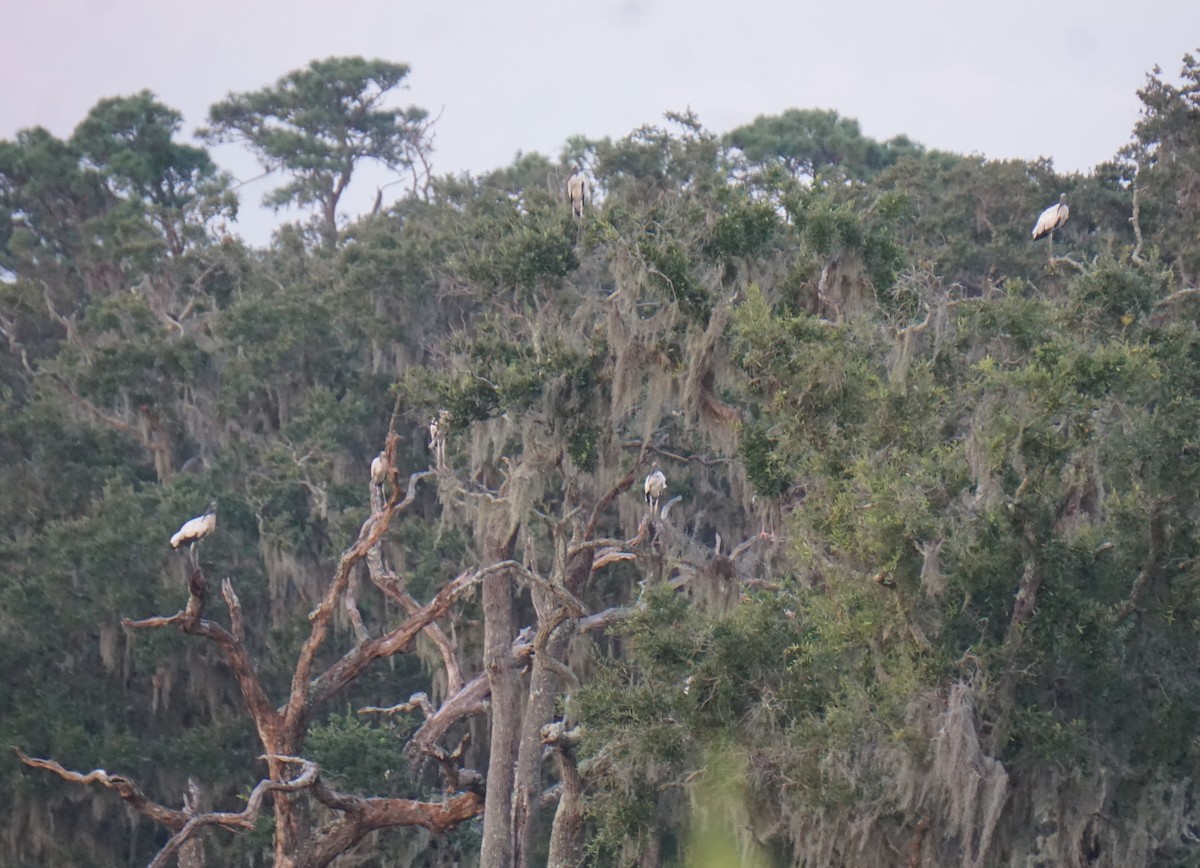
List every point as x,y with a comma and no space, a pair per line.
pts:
499,630
545,685
544,688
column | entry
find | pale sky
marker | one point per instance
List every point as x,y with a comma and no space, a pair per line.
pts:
1002,79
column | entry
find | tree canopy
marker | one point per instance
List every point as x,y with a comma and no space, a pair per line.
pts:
318,124
921,588
811,142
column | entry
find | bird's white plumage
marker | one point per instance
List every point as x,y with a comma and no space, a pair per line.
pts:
656,483
1052,218
439,427
196,529
577,193
379,469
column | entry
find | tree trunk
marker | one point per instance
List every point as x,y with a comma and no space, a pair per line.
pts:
499,630
566,837
289,829
329,221
544,688
527,784
191,854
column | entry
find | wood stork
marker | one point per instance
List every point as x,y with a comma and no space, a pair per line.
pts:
195,529
656,484
379,469
577,192
1052,218
439,427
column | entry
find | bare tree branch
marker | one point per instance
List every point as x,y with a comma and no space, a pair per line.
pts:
393,587
417,700
296,710
246,818
682,459
365,815
471,700
266,718
121,785
566,836
361,815
1177,295
613,493
351,665
606,618
761,537
603,559
1136,255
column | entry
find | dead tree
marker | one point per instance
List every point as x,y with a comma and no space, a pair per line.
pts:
358,815
519,716
281,729
577,555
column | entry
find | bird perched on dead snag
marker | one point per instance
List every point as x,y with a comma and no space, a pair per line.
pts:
577,192
379,469
656,484
1052,218
195,529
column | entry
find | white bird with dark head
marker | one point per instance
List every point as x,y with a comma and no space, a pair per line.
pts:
196,529
656,484
1052,218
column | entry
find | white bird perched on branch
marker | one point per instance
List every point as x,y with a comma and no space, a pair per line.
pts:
439,427
656,484
196,529
577,192
379,469
1052,218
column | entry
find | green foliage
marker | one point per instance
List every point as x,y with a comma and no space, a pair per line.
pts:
582,445
135,361
1118,295
503,375
386,289
903,421
46,199
743,230
766,467
527,250
652,160
359,756
130,141
1164,163
818,144
318,124
670,274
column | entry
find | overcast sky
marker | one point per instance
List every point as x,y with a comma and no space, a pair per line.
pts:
1003,79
